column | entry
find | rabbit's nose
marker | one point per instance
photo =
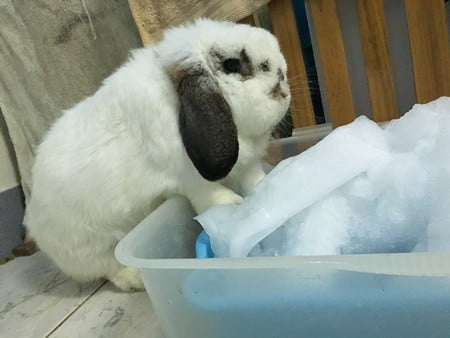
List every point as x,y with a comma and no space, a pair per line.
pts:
284,90
281,90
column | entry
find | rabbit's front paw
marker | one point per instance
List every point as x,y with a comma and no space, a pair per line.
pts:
212,194
226,196
128,279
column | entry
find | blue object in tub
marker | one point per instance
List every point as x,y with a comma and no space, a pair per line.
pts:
203,246
359,246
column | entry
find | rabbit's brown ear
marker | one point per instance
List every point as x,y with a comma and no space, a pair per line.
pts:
206,124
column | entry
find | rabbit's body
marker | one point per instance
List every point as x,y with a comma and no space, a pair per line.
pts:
114,157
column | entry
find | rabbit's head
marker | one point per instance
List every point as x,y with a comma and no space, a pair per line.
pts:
231,80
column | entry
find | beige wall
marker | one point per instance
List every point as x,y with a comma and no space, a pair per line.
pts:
8,170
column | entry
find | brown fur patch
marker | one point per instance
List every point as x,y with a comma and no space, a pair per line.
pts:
180,70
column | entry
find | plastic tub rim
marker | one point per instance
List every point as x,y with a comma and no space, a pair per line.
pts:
409,264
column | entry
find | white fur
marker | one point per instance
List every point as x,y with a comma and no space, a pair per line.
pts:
114,157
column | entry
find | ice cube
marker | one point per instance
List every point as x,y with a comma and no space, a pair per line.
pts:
362,189
344,154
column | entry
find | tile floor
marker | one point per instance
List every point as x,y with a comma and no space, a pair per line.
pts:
36,300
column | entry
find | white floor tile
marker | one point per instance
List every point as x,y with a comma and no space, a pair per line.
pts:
35,296
111,313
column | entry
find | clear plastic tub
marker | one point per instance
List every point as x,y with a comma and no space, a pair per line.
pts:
384,295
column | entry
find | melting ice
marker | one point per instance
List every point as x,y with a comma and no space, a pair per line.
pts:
362,189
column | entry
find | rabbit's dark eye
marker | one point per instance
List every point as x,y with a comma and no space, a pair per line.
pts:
232,65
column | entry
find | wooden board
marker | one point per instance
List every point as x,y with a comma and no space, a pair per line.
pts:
153,17
377,59
37,300
285,29
111,313
429,48
35,297
333,61
249,20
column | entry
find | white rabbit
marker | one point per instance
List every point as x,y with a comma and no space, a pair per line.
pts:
191,115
